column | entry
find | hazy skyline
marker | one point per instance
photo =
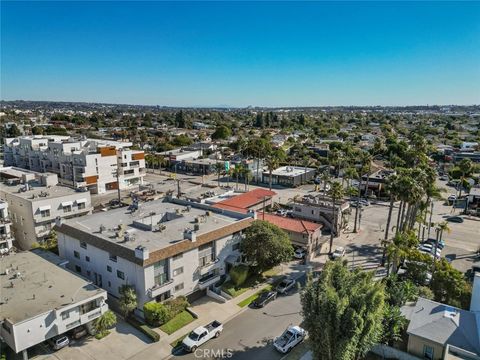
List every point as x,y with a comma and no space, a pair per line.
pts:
240,54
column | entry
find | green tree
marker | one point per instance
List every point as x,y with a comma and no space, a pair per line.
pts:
343,312
393,325
222,133
266,245
127,300
449,286
105,322
273,161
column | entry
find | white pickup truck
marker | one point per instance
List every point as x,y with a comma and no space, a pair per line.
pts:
201,335
289,339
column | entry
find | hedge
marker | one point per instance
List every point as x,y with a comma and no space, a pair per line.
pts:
144,329
239,274
157,314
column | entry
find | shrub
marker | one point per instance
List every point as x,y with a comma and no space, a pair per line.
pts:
143,328
239,274
177,305
156,313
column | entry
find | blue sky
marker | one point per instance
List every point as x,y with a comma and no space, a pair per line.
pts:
242,53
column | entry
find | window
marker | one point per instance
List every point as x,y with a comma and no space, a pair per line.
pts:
87,258
78,269
65,315
113,257
313,212
109,284
177,256
45,213
76,254
160,272
81,206
178,271
89,306
109,268
428,352
83,244
206,254
120,275
178,287
67,209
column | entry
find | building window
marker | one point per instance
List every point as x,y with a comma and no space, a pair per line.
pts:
109,268
428,352
87,258
65,315
206,254
120,274
81,206
178,287
160,272
76,254
109,284
67,209
78,269
6,327
113,258
45,213
177,256
178,271
83,244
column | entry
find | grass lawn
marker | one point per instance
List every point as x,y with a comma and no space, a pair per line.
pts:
253,297
251,281
177,322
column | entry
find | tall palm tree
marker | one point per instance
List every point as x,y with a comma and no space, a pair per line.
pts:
466,168
366,161
237,172
336,193
349,174
273,160
219,169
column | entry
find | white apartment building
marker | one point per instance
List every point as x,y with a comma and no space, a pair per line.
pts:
81,163
41,299
35,201
6,238
164,249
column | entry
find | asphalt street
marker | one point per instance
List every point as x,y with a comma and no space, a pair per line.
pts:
250,335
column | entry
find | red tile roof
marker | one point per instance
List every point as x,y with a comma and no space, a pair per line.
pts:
246,200
289,224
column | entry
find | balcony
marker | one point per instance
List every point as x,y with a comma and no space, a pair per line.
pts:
205,269
5,220
210,280
156,290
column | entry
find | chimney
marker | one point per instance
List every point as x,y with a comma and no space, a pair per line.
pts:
58,221
141,252
190,234
475,302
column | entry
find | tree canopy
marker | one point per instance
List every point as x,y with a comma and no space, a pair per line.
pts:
266,245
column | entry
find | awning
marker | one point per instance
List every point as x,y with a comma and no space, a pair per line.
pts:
80,201
44,207
67,203
231,259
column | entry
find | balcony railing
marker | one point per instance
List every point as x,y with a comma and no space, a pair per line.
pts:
210,280
159,288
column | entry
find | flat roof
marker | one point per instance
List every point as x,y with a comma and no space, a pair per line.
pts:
168,219
39,285
290,171
39,192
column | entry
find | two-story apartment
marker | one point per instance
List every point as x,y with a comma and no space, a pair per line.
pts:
163,249
35,201
96,165
41,299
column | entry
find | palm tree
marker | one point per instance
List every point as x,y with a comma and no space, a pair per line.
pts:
349,174
466,168
237,172
218,169
105,322
366,161
335,193
273,160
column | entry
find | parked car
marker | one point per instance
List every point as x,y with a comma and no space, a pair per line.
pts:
455,219
58,342
300,253
338,253
291,337
264,299
201,335
285,285
78,332
451,199
281,212
440,245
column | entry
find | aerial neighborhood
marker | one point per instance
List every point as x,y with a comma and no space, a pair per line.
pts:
245,180
136,218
